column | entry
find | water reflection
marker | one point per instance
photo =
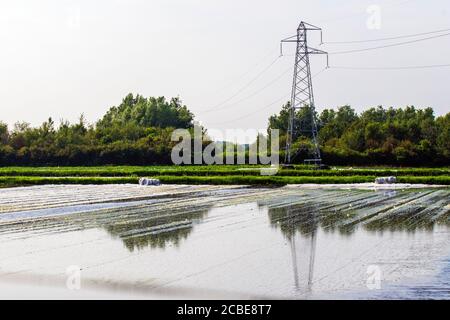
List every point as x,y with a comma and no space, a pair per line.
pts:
138,226
148,229
393,211
156,225
300,243
375,211
293,219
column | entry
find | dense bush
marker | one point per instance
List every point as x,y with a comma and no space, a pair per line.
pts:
138,132
403,136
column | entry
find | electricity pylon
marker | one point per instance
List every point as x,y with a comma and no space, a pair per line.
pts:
302,90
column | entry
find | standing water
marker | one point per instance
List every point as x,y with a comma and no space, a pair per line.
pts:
225,242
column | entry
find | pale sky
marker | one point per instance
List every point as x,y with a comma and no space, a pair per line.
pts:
61,58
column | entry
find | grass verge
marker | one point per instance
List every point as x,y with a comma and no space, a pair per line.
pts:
217,170
219,180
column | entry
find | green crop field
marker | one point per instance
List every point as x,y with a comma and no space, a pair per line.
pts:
218,174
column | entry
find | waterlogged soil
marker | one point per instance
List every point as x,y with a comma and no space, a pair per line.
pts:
295,242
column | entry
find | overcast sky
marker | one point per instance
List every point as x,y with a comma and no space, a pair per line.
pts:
61,58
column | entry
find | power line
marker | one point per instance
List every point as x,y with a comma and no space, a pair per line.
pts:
389,45
252,94
391,68
250,114
319,72
216,107
385,39
267,106
249,70
245,86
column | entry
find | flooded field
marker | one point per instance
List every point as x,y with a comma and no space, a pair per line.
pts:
295,242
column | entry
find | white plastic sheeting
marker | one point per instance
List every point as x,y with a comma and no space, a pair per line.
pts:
149,182
386,180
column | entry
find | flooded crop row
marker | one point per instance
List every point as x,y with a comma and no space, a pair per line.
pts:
228,242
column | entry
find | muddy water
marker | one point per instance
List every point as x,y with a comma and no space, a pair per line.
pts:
202,242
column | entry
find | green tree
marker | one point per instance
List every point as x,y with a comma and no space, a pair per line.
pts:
443,138
302,122
333,124
4,133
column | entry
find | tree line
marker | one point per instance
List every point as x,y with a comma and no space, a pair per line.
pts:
392,136
138,132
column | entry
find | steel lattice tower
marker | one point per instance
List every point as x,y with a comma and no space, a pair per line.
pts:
302,90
